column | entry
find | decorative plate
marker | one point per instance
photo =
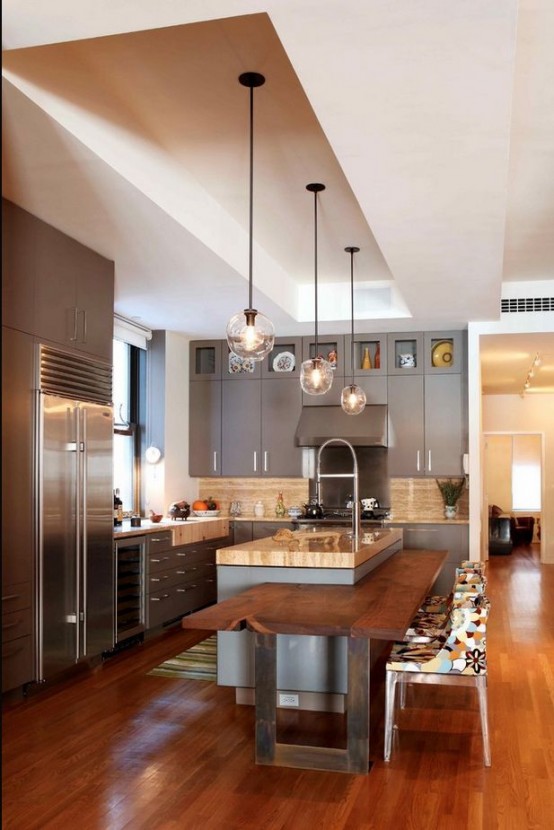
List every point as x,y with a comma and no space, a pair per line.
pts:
442,353
284,362
240,364
206,513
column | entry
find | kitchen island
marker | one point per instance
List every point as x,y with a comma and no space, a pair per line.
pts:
311,669
378,606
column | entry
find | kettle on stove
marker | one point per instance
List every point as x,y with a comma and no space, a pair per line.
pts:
313,510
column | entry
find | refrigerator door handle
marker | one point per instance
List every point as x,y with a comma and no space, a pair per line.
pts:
84,550
78,531
39,537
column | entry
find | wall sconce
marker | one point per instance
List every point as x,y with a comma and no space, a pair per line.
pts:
153,455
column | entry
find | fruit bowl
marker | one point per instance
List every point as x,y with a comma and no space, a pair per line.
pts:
206,513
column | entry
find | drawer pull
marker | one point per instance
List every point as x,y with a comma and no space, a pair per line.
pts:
159,599
188,588
163,559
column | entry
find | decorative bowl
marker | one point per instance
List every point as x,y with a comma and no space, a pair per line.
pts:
206,513
156,517
295,512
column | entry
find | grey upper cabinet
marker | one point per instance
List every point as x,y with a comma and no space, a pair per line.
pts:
259,422
405,353
205,428
284,360
205,360
406,425
444,352
241,428
54,287
281,408
369,356
426,425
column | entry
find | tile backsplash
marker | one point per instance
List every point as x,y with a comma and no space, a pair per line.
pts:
412,499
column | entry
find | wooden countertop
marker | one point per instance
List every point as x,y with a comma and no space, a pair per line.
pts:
313,554
194,529
381,605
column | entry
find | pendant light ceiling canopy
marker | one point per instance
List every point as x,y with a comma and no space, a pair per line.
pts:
353,398
250,334
316,374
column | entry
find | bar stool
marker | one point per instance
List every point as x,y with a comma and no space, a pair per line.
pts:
458,659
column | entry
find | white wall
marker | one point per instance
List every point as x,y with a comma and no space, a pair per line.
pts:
169,481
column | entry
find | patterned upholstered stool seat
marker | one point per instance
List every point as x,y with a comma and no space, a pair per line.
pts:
458,657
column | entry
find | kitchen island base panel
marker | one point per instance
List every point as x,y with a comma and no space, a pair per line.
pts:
307,701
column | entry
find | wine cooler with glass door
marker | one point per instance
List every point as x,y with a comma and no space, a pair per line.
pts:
129,595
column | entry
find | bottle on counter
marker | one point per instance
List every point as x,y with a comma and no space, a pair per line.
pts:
280,509
117,509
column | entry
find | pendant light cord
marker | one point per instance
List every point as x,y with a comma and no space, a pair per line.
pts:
315,272
352,312
352,250
251,209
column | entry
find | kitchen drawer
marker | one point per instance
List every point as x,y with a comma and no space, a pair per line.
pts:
194,555
157,542
16,597
172,602
17,663
16,624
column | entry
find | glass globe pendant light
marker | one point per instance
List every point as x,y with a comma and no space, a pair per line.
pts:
250,334
316,374
353,398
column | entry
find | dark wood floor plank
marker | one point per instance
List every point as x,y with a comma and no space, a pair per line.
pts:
118,749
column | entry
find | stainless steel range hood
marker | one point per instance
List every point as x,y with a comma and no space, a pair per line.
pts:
319,423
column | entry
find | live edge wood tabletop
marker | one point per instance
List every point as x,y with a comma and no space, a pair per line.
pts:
381,606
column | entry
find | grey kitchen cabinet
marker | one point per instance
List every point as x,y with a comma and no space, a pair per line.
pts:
205,359
242,532
401,345
68,289
375,388
427,425
205,428
444,352
375,345
179,579
259,422
17,509
241,428
453,538
284,360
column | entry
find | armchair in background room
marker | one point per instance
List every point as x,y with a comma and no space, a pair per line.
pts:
501,540
522,529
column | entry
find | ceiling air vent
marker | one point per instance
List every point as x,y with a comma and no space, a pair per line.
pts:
527,304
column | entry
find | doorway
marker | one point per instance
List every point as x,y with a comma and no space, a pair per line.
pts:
513,482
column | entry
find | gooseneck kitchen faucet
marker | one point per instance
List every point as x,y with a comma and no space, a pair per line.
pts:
356,523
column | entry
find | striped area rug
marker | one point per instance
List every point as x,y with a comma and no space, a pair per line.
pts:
198,663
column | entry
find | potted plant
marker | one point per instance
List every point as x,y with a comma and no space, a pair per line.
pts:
451,490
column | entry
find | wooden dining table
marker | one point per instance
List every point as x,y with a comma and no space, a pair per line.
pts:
380,606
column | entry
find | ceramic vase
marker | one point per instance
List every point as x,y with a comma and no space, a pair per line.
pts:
450,511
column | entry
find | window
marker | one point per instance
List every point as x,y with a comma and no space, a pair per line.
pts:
128,396
526,472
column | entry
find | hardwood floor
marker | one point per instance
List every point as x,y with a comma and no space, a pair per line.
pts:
118,748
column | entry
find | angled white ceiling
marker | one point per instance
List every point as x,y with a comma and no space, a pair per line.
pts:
431,124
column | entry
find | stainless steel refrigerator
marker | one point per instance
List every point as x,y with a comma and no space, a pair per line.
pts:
75,564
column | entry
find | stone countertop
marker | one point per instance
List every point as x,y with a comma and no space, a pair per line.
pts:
397,518
312,553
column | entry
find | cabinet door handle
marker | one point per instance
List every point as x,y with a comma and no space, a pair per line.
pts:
266,461
429,465
255,461
73,337
418,463
215,461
